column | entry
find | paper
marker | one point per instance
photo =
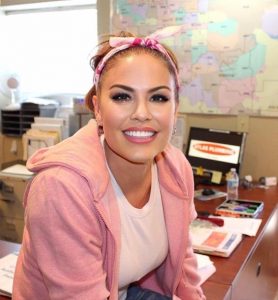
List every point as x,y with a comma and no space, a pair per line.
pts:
216,177
248,226
7,269
200,171
205,266
17,169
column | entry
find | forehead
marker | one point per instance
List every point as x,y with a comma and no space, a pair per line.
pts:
136,65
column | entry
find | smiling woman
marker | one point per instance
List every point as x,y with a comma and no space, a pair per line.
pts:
49,50
116,193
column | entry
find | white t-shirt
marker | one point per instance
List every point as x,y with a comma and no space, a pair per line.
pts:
144,241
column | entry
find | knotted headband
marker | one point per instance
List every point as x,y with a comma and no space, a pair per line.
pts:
121,43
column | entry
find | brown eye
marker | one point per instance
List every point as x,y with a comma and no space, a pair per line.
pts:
159,98
121,97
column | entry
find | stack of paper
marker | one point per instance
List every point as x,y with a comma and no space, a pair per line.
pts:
7,269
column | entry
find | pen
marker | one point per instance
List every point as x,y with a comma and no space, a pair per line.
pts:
217,221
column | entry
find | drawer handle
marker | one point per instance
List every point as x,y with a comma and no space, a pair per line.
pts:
8,189
258,271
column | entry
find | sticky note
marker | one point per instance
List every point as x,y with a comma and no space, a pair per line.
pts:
200,171
216,177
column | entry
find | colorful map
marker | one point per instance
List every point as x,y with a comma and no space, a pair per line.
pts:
227,50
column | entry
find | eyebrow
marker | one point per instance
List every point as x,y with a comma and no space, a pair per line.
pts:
128,88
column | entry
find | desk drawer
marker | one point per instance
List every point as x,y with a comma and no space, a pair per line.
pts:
12,189
11,209
11,229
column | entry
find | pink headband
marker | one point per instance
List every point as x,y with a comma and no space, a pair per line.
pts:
122,43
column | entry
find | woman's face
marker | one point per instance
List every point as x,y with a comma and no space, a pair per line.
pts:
136,107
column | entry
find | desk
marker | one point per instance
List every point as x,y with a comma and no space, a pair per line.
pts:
254,264
5,249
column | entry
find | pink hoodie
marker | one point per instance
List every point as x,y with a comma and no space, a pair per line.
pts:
71,241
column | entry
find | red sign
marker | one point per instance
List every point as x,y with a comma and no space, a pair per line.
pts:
214,149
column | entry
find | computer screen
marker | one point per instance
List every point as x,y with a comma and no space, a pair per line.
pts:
215,150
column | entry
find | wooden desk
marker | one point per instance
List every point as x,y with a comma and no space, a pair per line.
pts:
5,249
236,272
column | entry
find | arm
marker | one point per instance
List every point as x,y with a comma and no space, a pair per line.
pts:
188,287
65,236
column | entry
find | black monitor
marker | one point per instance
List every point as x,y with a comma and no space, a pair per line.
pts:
214,150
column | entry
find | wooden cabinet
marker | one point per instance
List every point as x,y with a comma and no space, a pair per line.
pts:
12,188
11,150
259,276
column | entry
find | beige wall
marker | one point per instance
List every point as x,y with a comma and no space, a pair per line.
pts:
103,16
261,151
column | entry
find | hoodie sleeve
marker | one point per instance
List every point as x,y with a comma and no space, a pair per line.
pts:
188,287
62,239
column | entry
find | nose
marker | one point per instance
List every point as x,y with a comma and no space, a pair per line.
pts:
141,111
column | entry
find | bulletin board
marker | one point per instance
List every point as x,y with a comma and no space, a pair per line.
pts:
227,50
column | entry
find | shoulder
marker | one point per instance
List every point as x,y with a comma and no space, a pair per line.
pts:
57,186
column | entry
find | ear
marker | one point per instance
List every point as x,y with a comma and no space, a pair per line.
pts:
97,110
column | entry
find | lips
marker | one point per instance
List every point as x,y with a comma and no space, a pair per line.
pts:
140,135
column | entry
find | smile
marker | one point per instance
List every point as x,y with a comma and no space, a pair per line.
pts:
139,134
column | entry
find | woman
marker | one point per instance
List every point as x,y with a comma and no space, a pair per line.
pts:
108,212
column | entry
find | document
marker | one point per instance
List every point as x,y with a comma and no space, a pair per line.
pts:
247,226
7,269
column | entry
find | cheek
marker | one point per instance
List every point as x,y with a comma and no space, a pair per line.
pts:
166,118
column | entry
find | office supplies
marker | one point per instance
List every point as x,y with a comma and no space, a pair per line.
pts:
217,221
208,192
198,194
268,181
213,241
239,208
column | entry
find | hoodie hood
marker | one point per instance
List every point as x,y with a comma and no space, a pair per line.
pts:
77,153
84,154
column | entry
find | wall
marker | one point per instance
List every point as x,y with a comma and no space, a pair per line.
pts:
103,18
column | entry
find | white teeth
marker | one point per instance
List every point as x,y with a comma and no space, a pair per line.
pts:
139,133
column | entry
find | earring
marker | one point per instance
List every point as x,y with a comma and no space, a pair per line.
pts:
99,127
174,130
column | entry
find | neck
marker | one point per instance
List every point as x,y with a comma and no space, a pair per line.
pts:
134,179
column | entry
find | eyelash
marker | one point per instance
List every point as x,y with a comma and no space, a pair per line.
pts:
123,97
159,98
